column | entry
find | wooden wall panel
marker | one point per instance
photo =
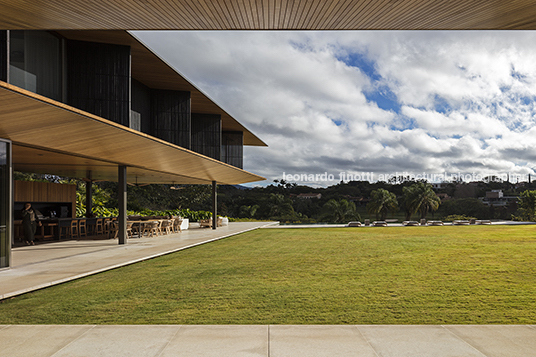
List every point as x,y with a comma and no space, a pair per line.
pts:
32,191
98,79
270,14
74,142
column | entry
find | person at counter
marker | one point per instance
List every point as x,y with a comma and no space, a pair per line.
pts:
30,221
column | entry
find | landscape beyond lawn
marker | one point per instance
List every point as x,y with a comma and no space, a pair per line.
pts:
399,275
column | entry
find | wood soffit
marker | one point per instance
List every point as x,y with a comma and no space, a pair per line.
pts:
54,138
269,14
149,69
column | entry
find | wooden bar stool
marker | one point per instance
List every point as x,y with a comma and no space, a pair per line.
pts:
106,226
63,230
73,231
82,229
99,226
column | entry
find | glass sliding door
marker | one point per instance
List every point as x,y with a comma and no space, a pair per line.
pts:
5,203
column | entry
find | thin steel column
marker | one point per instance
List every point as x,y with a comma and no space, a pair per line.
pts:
214,205
122,200
89,197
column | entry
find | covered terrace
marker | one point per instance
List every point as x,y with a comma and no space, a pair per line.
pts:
50,137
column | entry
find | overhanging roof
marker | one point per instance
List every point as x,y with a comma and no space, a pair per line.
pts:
149,69
53,138
270,14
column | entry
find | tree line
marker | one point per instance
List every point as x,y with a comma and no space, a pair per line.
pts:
339,203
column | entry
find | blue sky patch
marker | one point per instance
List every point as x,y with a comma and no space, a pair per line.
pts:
384,98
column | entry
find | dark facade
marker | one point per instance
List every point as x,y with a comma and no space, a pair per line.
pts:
206,135
3,55
232,148
5,203
170,117
96,77
35,62
140,109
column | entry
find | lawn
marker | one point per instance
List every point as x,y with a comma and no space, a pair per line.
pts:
398,275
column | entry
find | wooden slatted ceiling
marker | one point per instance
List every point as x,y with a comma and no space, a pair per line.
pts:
51,137
269,14
154,72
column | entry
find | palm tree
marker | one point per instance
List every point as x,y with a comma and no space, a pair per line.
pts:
382,202
340,211
527,205
420,197
281,207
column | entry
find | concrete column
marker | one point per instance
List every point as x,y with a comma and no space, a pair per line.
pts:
214,205
122,201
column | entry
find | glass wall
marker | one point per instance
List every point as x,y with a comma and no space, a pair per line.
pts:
5,203
35,62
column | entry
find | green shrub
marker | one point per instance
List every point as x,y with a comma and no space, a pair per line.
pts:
457,217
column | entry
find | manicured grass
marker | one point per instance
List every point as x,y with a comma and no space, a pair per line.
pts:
404,275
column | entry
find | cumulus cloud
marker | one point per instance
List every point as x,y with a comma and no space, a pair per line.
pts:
369,101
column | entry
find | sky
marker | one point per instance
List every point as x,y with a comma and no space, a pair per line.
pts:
370,105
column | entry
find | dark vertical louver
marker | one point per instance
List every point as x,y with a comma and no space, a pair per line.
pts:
232,148
170,116
141,106
206,135
98,79
3,55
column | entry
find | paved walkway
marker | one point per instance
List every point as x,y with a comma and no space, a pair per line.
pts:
272,340
42,265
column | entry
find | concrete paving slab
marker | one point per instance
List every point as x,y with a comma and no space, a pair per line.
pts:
36,341
219,341
497,340
120,341
318,341
416,341
266,340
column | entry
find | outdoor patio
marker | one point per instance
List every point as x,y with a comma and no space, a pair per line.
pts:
42,265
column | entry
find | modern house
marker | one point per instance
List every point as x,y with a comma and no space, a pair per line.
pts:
309,196
99,105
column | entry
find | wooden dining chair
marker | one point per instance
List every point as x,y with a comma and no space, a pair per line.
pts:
159,227
129,229
113,229
151,228
177,222
167,225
